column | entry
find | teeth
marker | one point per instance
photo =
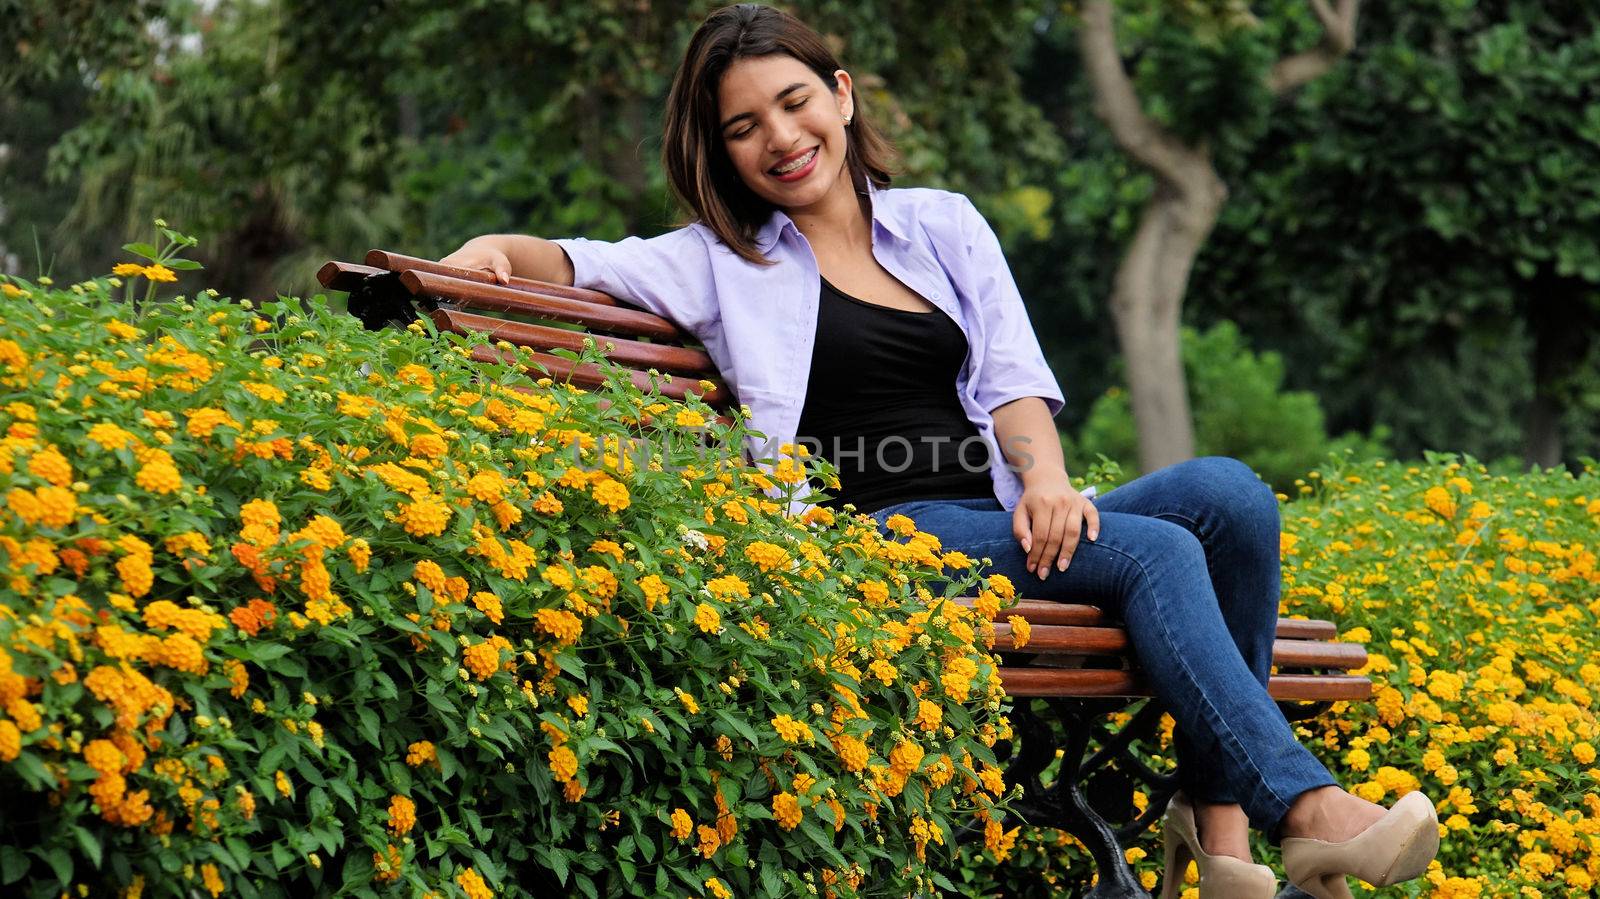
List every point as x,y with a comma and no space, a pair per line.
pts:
795,166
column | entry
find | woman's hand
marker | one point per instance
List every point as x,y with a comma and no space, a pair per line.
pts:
1048,520
481,257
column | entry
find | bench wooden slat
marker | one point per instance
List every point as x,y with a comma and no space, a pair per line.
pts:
1043,611
1318,654
1111,641
1089,641
384,260
588,375
494,298
676,359
1045,682
345,276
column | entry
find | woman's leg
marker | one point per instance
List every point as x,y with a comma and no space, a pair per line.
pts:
1154,574
1235,517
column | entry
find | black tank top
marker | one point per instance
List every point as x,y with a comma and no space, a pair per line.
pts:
881,401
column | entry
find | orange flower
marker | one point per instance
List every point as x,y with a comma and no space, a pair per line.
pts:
402,814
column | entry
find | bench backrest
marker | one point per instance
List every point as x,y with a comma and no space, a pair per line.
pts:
392,288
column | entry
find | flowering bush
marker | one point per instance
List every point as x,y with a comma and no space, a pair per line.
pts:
1478,597
290,607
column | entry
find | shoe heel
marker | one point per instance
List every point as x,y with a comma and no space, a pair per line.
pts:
1178,858
1328,886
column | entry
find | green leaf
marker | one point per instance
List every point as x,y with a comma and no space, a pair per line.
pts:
369,724
13,864
89,843
142,249
61,863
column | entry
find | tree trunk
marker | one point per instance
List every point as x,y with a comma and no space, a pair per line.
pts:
1562,320
1147,302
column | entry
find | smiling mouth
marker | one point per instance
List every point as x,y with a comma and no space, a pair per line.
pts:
795,164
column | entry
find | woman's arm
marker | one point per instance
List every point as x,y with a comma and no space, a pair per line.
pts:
519,255
1051,514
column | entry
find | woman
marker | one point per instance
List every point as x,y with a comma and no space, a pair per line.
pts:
885,326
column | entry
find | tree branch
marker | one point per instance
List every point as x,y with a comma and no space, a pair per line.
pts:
1338,38
1115,101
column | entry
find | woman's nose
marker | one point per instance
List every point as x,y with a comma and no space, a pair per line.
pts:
781,134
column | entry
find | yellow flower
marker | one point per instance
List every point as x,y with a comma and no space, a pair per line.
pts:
1001,585
489,605
682,824
655,591
158,272
904,758
421,753
563,764
767,556
901,525
728,588
158,474
281,781
402,814
1439,501
482,659
1021,631
127,269
51,466
564,626
718,890
1357,760
790,730
360,554
473,885
689,703
706,618
425,516
786,808
612,494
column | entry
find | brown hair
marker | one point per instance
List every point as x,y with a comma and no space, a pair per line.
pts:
693,153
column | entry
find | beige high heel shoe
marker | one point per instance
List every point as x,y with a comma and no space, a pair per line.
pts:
1396,848
1221,876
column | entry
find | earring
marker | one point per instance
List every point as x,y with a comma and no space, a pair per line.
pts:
847,120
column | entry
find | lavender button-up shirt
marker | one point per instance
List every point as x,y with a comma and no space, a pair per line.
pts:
758,323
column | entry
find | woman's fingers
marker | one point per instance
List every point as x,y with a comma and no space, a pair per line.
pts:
1022,527
1091,517
1076,518
1047,521
494,262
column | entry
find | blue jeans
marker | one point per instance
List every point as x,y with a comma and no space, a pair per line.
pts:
1187,557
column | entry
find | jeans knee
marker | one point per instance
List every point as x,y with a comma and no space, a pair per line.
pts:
1169,551
1242,497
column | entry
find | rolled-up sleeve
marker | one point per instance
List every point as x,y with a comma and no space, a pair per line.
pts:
669,275
1013,365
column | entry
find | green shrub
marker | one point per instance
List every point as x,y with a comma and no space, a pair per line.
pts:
288,607
1240,409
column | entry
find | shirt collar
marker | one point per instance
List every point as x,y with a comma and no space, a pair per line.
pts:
768,236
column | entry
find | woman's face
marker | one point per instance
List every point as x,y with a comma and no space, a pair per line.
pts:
784,129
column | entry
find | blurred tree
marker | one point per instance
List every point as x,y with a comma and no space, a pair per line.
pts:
1241,409
1208,74
293,131
1422,229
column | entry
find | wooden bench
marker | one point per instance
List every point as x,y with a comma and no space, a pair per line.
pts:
1075,671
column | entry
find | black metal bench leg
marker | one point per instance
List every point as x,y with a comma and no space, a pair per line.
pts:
1064,804
1078,817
